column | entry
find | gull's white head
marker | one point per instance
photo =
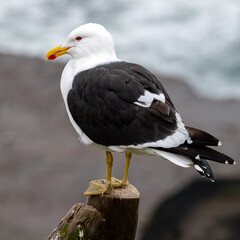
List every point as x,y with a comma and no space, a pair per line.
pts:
89,40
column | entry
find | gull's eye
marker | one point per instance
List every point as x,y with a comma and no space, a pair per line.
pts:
78,38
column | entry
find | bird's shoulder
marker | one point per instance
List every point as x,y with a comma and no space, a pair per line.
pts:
127,80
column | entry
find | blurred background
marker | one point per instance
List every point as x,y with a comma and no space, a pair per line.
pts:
195,39
194,48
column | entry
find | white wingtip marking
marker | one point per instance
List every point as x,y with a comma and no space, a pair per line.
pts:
226,162
197,157
198,168
219,143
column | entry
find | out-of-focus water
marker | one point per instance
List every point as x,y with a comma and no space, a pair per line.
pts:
197,40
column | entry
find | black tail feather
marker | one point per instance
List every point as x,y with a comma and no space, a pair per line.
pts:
202,166
200,137
199,154
203,152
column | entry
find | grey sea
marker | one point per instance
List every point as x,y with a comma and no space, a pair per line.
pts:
198,41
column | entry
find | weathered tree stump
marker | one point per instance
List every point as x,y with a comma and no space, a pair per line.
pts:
110,216
82,222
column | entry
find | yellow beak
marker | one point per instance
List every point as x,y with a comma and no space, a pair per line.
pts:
56,52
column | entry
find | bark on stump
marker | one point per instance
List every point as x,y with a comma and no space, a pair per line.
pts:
110,216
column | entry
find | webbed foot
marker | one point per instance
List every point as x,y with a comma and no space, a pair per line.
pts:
98,187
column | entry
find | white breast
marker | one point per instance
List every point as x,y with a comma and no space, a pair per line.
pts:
73,67
66,85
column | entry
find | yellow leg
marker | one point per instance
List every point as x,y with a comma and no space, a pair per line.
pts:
96,188
128,158
124,182
109,161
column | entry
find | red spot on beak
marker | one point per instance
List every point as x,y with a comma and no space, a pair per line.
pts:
52,57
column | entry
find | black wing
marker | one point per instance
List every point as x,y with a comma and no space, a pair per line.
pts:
101,102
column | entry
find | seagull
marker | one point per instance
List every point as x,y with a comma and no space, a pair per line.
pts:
122,107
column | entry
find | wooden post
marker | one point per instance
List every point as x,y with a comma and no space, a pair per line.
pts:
110,216
120,210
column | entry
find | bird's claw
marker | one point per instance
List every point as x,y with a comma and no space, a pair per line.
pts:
98,187
118,183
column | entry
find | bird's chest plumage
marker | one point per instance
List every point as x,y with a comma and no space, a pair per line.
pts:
65,86
71,70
